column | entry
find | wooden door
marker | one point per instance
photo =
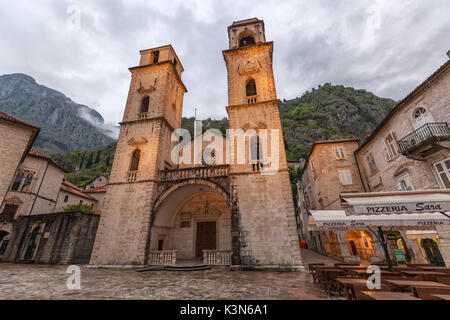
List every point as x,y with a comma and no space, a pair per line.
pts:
206,237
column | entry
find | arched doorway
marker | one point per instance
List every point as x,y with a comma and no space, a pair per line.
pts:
432,252
360,244
33,243
192,217
334,244
396,242
4,240
326,242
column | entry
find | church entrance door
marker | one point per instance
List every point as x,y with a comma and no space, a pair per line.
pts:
206,237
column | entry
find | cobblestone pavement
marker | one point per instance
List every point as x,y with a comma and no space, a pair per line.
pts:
22,281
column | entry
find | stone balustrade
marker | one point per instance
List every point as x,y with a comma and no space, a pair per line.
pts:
250,99
195,172
132,176
217,257
163,257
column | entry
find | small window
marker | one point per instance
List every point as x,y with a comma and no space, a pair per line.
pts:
27,182
311,163
145,104
81,201
250,88
135,158
391,147
66,198
17,181
404,184
339,153
443,170
371,162
345,177
255,149
155,56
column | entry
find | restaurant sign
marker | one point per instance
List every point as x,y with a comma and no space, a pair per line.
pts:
405,207
375,222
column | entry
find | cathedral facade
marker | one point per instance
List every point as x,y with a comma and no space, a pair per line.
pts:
227,212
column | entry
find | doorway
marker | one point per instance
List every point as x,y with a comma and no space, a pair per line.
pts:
432,252
33,243
206,237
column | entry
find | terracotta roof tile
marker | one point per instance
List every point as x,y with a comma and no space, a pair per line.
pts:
36,153
9,117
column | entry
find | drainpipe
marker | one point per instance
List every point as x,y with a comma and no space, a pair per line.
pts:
359,172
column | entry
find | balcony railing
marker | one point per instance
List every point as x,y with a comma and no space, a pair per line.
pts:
164,257
429,132
217,257
202,172
143,115
251,99
132,176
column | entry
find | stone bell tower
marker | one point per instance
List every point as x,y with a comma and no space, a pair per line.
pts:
153,110
265,234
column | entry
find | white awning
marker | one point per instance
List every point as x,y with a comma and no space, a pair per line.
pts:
399,202
339,219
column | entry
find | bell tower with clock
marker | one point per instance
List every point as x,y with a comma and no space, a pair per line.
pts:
266,233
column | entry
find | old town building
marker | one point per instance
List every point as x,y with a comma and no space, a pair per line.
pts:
33,227
405,162
159,212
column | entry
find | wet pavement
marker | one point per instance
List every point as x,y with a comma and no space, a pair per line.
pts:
28,281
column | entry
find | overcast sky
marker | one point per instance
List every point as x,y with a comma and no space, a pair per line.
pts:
387,47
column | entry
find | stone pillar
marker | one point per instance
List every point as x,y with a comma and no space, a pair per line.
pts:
341,236
235,234
412,244
444,243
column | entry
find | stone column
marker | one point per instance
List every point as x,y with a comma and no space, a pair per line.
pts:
444,243
412,244
341,236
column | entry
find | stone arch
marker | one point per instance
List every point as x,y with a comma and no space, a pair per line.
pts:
246,38
170,190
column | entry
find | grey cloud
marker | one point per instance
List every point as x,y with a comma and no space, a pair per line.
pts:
315,42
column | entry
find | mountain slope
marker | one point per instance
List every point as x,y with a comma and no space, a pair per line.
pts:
65,125
328,112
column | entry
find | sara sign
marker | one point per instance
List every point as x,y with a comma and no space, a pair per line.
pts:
406,207
376,222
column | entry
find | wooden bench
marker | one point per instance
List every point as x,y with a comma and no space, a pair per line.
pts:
426,293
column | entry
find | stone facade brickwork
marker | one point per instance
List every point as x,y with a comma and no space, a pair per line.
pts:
62,238
145,203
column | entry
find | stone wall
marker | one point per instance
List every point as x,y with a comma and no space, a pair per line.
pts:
65,238
14,140
422,174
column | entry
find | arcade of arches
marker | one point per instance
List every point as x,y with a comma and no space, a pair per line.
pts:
363,245
191,219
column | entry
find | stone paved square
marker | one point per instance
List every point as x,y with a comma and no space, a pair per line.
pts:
28,281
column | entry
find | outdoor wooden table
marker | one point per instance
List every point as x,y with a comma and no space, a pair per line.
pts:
360,273
436,268
442,296
347,284
424,275
403,285
374,295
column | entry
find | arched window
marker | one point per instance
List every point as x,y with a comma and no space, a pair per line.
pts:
246,41
256,152
145,103
135,158
27,182
17,181
250,88
421,117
